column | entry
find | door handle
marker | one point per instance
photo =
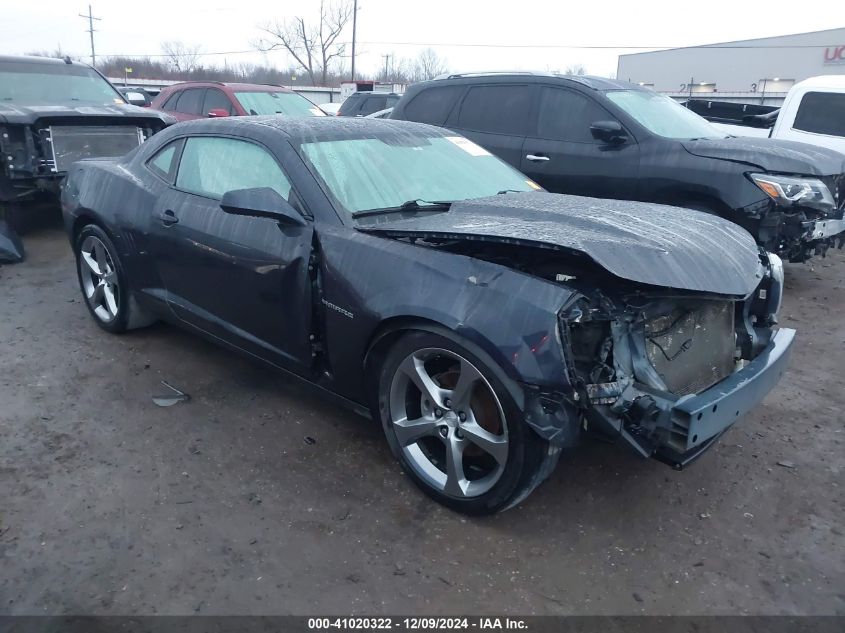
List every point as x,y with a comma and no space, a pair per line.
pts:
536,158
168,218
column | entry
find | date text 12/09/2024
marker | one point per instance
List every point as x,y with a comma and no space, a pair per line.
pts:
416,623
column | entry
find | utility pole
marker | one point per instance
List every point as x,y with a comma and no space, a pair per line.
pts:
354,25
386,60
90,17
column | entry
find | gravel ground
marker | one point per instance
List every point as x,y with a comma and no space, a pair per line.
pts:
256,497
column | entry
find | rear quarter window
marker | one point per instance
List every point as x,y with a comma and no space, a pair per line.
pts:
432,105
821,113
163,163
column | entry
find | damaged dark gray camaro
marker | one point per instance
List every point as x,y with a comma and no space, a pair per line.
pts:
409,273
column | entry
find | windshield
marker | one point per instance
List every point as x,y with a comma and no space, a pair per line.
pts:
28,83
364,174
662,115
288,103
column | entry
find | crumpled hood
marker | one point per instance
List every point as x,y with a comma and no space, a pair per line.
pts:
641,242
26,115
771,155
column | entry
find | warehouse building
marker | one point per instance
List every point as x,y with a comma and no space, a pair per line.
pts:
757,71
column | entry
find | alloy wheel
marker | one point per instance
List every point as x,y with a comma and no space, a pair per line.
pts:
99,279
448,422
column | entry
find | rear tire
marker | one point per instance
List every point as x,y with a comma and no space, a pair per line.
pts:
454,426
103,282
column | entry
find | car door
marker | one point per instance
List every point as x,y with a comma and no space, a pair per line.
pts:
497,117
561,154
242,279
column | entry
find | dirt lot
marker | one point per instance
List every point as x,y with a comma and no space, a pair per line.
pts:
112,505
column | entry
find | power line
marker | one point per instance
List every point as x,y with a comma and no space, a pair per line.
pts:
507,46
90,17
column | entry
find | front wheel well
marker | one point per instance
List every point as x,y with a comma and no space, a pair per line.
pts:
392,329
385,336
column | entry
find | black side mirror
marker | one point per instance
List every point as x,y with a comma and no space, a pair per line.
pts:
609,132
262,202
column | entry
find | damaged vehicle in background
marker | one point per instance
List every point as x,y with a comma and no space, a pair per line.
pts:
215,99
54,112
613,139
409,274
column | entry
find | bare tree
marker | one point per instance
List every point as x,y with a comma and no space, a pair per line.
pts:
575,69
428,65
183,57
313,46
56,52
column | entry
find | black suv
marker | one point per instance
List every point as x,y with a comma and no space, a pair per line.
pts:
364,103
612,139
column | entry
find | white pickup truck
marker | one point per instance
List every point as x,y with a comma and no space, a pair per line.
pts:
813,112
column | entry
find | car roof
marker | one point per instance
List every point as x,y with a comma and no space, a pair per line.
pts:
588,81
34,59
304,129
232,85
824,82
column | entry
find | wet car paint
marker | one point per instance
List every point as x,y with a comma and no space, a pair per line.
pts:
318,299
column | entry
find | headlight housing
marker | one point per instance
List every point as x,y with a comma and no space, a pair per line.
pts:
789,190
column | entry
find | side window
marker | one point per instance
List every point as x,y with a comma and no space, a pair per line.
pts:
170,104
565,115
191,101
373,104
163,162
497,109
821,113
211,166
433,105
351,105
216,100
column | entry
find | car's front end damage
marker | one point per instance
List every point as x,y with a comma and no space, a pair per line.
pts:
668,373
801,217
790,196
38,144
666,336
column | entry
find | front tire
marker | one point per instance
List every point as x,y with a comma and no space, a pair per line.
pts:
455,428
103,282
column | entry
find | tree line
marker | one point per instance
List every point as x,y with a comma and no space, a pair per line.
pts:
316,45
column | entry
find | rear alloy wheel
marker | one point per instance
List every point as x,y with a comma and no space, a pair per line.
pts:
98,278
455,428
103,283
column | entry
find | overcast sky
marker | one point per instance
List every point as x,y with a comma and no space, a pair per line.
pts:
403,28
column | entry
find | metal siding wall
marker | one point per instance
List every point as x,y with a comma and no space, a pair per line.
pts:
732,69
